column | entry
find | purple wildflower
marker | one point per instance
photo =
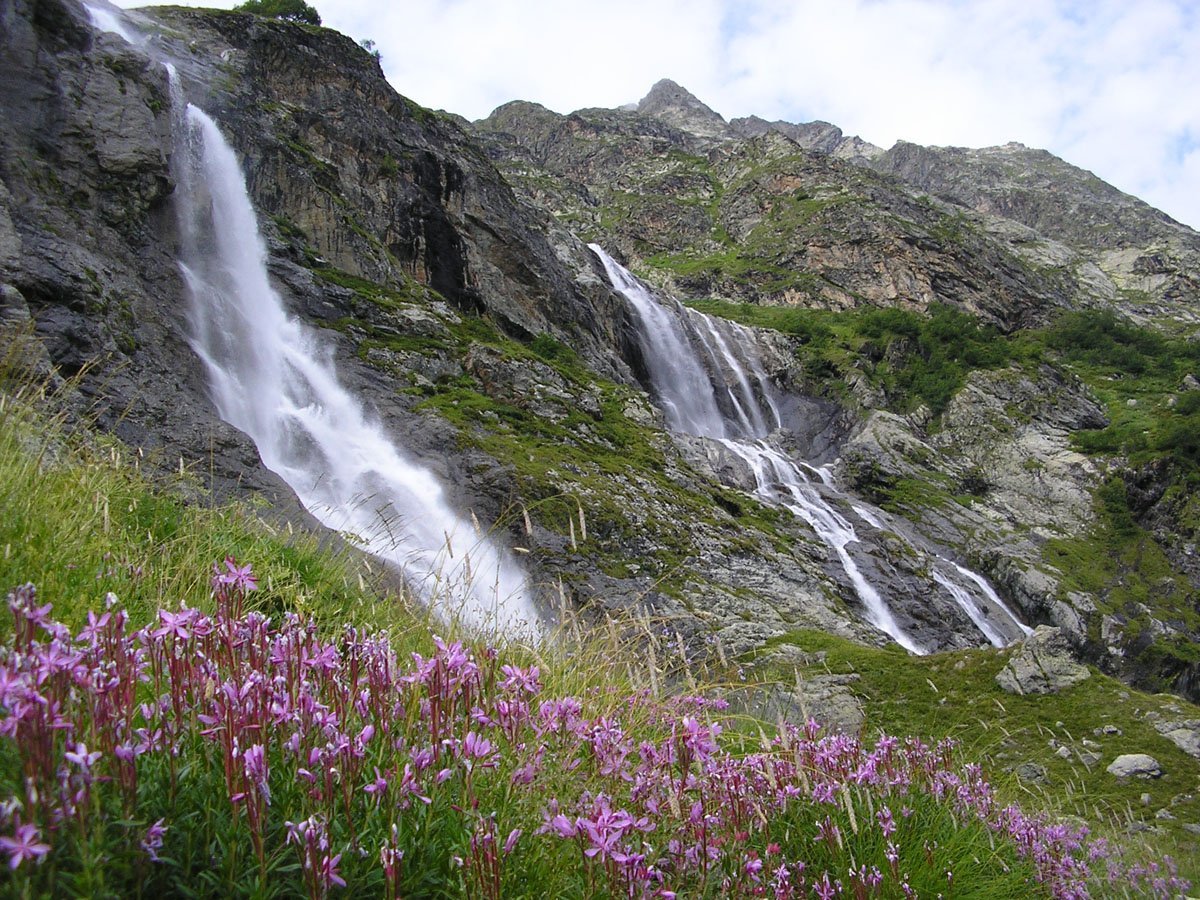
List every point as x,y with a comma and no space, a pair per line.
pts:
153,840
23,845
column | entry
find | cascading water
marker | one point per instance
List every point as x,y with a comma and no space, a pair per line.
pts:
781,482
109,19
271,378
673,339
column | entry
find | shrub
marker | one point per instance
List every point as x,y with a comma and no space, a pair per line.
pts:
288,10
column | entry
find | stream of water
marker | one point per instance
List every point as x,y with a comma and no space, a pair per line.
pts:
709,382
273,378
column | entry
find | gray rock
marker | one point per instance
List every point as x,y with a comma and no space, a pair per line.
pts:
1032,772
827,699
1042,665
1184,735
1135,765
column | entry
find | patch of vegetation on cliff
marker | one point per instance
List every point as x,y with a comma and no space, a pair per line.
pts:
1121,564
956,695
1138,374
583,467
915,359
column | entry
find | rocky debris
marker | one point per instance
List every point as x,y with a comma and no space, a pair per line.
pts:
1042,664
1135,765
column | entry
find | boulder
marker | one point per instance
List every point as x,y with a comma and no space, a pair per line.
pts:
1135,765
1185,735
1042,664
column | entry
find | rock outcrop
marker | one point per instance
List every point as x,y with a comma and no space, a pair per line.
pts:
1042,664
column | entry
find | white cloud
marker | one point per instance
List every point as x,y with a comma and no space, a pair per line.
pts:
1110,86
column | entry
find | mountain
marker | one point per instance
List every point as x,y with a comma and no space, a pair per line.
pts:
915,321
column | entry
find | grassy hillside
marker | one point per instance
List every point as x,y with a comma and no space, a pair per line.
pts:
210,707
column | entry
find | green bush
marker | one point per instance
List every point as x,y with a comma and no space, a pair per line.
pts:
288,10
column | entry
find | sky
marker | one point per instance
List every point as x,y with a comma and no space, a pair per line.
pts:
1112,86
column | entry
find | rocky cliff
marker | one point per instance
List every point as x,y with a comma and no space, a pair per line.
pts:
799,217
447,269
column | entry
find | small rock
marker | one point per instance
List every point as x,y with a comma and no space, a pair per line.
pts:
1089,758
1145,798
1063,752
1193,827
1134,765
1091,745
1032,772
1190,383
1107,729
1164,814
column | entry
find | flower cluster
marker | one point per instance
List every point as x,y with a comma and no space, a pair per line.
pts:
271,748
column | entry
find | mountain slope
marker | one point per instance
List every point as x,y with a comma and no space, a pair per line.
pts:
911,336
984,453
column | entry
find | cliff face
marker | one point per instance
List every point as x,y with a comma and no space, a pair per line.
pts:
801,217
447,270
1132,256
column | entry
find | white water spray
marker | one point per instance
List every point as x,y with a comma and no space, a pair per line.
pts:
779,481
690,402
271,377
106,18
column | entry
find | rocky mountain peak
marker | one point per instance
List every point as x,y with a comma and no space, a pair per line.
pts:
678,107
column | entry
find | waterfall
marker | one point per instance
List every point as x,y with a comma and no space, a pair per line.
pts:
108,18
781,482
729,401
271,377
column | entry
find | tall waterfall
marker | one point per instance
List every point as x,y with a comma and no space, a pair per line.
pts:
271,377
738,407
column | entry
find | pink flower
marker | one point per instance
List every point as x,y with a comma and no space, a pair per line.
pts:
517,679
511,841
82,758
24,845
153,840
174,624
329,871
378,786
327,659
239,578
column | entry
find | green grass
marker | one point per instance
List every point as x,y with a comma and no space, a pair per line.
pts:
81,520
956,695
